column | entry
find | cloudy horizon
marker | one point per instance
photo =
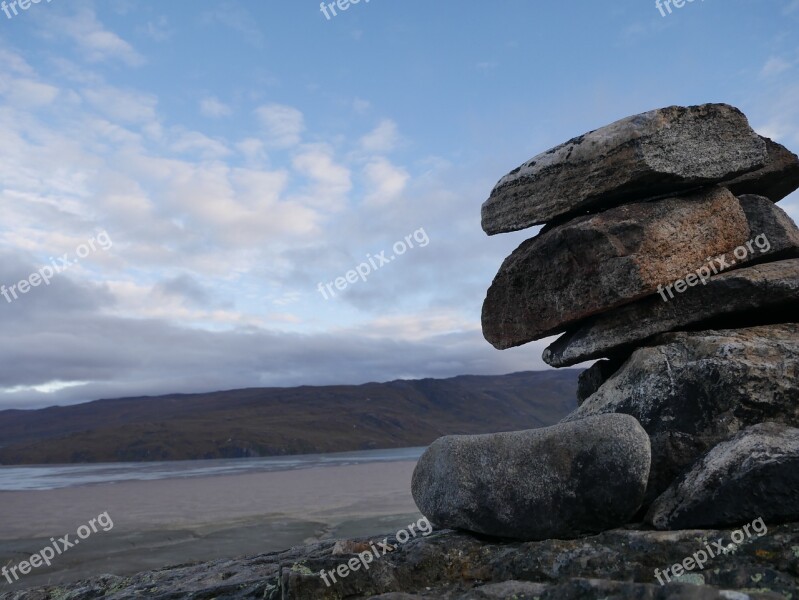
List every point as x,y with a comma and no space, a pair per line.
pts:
240,155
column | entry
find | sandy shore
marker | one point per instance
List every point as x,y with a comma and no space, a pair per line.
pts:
172,521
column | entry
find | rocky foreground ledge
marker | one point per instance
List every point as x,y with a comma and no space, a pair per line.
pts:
617,564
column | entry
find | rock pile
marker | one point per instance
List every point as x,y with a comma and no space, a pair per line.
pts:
664,254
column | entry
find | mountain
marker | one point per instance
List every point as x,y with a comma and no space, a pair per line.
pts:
281,421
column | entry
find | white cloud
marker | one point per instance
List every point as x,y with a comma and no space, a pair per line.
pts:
331,182
419,326
236,17
774,66
212,107
228,208
385,181
27,92
97,43
360,105
196,142
779,117
14,62
283,125
253,150
159,29
255,231
382,138
122,105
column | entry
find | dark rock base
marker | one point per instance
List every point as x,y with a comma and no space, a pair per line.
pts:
619,564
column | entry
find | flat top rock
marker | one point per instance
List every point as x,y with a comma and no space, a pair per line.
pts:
654,154
778,178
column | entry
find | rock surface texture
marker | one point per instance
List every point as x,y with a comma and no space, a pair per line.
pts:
596,263
559,481
618,564
691,391
754,473
663,254
644,156
760,293
778,178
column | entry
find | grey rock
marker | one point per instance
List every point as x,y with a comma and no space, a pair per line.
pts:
654,154
617,564
599,262
592,378
693,390
753,475
748,296
521,590
557,481
778,178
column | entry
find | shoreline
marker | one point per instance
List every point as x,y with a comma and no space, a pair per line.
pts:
79,474
165,522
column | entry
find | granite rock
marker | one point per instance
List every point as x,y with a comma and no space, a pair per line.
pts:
778,178
693,390
559,481
654,154
747,296
599,262
753,475
449,565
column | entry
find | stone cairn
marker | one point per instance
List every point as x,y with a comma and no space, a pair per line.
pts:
664,254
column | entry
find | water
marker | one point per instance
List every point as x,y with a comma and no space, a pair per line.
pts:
50,477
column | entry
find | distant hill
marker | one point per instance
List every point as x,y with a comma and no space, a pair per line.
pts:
280,421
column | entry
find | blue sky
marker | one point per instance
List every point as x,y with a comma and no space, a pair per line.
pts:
239,153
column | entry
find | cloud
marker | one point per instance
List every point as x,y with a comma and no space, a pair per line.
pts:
27,92
252,149
194,142
330,181
52,341
97,43
125,106
360,105
15,63
212,107
774,66
383,138
236,17
385,182
185,287
283,125
158,29
221,233
778,117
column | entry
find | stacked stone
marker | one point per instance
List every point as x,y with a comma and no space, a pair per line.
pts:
664,254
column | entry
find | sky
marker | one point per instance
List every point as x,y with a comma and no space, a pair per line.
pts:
197,169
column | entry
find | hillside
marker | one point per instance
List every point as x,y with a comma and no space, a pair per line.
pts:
281,421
